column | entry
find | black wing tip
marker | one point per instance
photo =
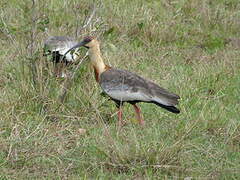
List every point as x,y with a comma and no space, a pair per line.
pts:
172,109
175,110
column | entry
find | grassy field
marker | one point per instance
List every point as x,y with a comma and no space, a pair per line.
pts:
190,47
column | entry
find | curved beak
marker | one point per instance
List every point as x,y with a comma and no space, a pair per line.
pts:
82,43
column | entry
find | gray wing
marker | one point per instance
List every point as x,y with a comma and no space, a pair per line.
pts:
126,86
60,44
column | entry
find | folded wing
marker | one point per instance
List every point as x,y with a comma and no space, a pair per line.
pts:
126,86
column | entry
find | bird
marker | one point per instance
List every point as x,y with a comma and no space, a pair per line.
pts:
56,47
123,86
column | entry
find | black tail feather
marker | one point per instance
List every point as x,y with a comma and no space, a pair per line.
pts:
172,109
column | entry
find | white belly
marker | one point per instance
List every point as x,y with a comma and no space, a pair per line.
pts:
128,96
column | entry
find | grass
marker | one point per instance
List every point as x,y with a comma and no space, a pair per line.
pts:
181,45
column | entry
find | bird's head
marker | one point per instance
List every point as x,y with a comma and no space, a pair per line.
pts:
88,42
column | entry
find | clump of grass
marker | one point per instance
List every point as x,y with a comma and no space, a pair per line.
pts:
181,45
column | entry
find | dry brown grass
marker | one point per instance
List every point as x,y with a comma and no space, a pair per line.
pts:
178,44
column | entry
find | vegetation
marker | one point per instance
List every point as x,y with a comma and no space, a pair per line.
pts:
190,47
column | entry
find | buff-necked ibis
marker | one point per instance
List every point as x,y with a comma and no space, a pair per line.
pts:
124,86
56,47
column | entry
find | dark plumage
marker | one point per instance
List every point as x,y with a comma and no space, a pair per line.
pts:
124,86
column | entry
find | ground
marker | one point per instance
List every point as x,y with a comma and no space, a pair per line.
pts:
190,47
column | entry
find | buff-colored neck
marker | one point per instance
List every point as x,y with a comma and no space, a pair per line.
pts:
97,61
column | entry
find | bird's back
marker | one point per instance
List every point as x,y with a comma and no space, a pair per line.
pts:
59,45
127,86
56,43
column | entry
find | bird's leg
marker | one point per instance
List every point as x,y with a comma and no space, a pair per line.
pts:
58,69
63,70
119,106
120,121
138,114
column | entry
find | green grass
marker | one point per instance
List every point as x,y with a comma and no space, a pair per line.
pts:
180,45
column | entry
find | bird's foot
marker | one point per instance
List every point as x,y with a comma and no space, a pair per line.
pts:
121,123
142,123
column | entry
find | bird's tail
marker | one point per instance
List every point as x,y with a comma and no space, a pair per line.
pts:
172,109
